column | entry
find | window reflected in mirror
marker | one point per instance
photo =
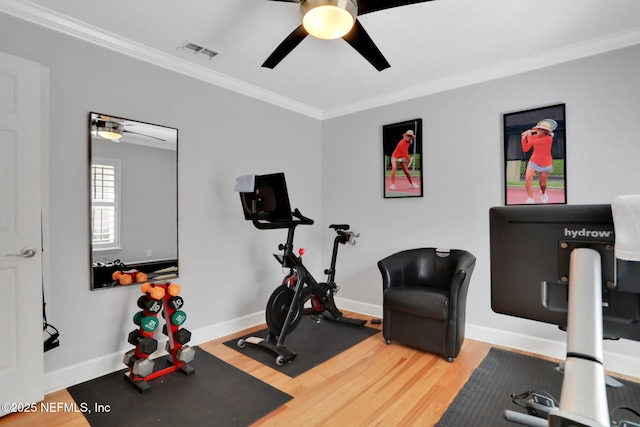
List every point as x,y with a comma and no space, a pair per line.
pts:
133,176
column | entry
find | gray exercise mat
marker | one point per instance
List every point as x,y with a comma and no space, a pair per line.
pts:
314,343
217,394
487,394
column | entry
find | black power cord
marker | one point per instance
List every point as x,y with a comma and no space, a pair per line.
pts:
52,341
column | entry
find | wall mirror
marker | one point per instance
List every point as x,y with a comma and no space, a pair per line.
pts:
133,177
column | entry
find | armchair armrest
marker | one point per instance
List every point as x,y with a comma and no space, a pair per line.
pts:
466,262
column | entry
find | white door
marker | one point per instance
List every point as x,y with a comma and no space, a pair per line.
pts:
21,336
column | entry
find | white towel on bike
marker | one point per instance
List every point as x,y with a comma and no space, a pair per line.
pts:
245,184
626,222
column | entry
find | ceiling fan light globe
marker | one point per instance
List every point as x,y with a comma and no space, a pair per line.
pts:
328,19
109,130
109,135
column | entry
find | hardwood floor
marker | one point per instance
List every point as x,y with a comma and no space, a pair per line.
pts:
370,384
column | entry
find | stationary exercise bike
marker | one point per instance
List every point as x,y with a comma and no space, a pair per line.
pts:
266,204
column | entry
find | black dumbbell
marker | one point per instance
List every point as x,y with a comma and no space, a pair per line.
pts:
151,305
176,302
146,345
182,336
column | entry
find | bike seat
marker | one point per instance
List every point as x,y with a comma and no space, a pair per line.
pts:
339,227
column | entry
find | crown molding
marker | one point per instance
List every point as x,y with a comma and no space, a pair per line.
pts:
81,30
69,26
534,62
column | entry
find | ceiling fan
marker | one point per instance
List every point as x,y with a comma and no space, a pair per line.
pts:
114,128
357,37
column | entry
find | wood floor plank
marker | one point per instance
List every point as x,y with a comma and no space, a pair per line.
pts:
370,384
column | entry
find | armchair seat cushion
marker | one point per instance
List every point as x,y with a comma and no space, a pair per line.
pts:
431,303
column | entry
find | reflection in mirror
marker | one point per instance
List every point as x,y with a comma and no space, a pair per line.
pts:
134,201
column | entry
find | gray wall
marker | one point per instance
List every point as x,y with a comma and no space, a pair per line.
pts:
463,170
226,267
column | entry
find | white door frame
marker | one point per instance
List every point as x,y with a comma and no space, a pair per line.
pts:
24,87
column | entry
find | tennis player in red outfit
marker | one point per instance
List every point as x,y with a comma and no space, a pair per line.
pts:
540,139
401,155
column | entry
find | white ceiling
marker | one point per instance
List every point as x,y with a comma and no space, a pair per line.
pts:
431,46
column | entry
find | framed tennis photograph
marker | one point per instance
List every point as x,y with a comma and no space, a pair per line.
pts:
402,159
535,156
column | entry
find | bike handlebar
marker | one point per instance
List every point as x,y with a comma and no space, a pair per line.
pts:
351,237
343,237
301,219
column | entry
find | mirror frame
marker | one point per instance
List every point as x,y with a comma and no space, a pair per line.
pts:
157,270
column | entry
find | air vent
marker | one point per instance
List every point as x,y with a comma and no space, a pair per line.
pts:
199,49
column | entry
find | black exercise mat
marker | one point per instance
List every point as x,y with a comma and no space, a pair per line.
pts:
217,394
314,343
487,394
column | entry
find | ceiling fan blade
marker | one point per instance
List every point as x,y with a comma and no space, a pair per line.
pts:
368,6
360,41
110,119
143,134
286,47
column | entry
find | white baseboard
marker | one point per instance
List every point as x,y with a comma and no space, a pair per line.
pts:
90,369
76,374
614,362
359,307
535,345
618,363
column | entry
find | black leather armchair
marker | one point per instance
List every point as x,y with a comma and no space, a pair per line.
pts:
424,298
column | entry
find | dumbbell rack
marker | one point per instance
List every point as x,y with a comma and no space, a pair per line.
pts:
158,298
